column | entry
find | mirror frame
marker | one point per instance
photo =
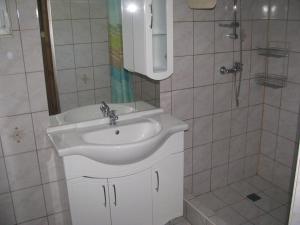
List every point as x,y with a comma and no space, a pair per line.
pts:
47,51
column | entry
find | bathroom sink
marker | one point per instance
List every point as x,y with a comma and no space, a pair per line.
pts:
124,134
136,137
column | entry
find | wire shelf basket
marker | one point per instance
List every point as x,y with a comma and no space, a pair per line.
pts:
273,52
270,80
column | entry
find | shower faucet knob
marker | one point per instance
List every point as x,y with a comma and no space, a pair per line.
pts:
223,70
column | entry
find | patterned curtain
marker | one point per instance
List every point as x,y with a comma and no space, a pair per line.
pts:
121,80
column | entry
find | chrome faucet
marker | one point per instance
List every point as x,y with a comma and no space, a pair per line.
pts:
112,117
104,109
237,67
107,112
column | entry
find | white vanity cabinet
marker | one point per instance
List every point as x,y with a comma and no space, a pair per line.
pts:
153,196
147,28
89,201
166,201
131,199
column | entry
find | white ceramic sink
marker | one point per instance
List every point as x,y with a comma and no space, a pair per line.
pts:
136,137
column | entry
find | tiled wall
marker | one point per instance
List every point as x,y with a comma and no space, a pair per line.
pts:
223,142
31,186
281,106
80,35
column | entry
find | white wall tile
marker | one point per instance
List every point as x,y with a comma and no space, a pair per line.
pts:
51,165
203,41
203,69
220,152
255,117
202,158
11,57
291,98
17,134
85,78
182,12
31,42
221,125
13,95
203,101
40,123
99,29
86,98
37,91
294,35
237,147
81,31
236,170
239,121
62,218
60,10
98,9
7,215
183,73
80,9
102,76
222,97
202,132
29,204
41,221
66,81
28,17
4,187
23,170
182,103
183,38
253,143
285,152
219,177
271,118
62,32
83,55
56,197
64,57
188,162
100,54
288,125
268,144
201,182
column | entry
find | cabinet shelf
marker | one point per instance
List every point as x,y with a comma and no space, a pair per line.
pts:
273,52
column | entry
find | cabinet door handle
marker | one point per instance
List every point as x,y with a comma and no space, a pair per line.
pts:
151,11
104,192
115,195
157,178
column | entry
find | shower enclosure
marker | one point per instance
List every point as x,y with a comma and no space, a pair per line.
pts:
244,175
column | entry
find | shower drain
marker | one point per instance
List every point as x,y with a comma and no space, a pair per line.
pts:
253,197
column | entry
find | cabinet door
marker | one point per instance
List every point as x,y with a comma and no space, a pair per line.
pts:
89,202
167,179
130,199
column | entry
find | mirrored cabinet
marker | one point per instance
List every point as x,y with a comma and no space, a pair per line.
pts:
148,37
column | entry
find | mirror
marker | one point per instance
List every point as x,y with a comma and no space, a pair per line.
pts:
5,27
87,52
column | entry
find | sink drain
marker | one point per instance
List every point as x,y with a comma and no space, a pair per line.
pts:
117,132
